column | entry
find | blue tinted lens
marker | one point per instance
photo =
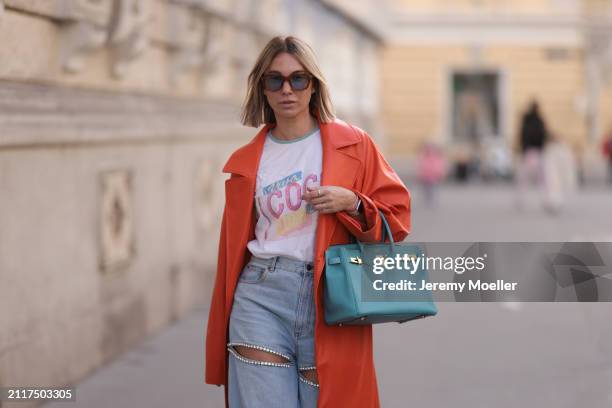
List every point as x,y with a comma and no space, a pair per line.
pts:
299,82
273,82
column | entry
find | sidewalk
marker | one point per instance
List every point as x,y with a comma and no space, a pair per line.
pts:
166,371
470,355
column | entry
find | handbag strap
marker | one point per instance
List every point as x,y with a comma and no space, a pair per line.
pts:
386,231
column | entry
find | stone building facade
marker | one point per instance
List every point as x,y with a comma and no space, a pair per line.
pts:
115,119
445,60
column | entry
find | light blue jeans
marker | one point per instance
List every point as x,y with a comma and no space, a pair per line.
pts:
273,311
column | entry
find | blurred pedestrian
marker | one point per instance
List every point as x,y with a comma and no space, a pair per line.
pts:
532,140
560,173
606,149
431,171
461,160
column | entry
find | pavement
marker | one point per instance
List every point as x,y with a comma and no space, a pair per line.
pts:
469,355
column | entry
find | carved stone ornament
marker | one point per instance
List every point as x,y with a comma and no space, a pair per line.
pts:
116,221
79,40
85,29
190,35
127,33
90,25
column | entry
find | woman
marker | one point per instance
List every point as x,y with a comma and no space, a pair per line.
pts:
306,181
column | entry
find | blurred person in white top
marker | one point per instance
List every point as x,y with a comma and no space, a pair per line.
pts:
560,173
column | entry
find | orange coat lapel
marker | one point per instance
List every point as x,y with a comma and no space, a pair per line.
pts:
239,193
340,168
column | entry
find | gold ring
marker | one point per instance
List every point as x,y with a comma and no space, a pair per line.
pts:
318,192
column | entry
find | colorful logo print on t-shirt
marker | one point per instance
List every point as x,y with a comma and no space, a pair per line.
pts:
282,205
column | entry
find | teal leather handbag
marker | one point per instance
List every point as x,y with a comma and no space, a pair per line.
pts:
352,273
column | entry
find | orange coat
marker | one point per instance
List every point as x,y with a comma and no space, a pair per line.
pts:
344,355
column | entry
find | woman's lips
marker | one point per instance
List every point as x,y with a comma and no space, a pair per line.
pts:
287,103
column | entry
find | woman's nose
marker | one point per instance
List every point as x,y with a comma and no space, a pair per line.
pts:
286,88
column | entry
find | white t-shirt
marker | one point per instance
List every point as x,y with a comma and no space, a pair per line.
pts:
286,225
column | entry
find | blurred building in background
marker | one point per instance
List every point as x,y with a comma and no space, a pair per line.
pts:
116,117
462,72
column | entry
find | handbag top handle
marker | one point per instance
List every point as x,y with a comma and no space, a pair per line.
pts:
386,232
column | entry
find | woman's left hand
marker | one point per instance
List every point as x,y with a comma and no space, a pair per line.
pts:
330,199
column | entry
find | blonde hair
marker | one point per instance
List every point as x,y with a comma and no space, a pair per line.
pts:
256,109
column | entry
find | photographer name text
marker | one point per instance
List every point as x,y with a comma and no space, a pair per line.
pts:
408,285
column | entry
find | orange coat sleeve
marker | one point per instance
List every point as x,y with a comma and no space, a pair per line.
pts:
380,189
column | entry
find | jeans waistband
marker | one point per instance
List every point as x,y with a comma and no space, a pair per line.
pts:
283,262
